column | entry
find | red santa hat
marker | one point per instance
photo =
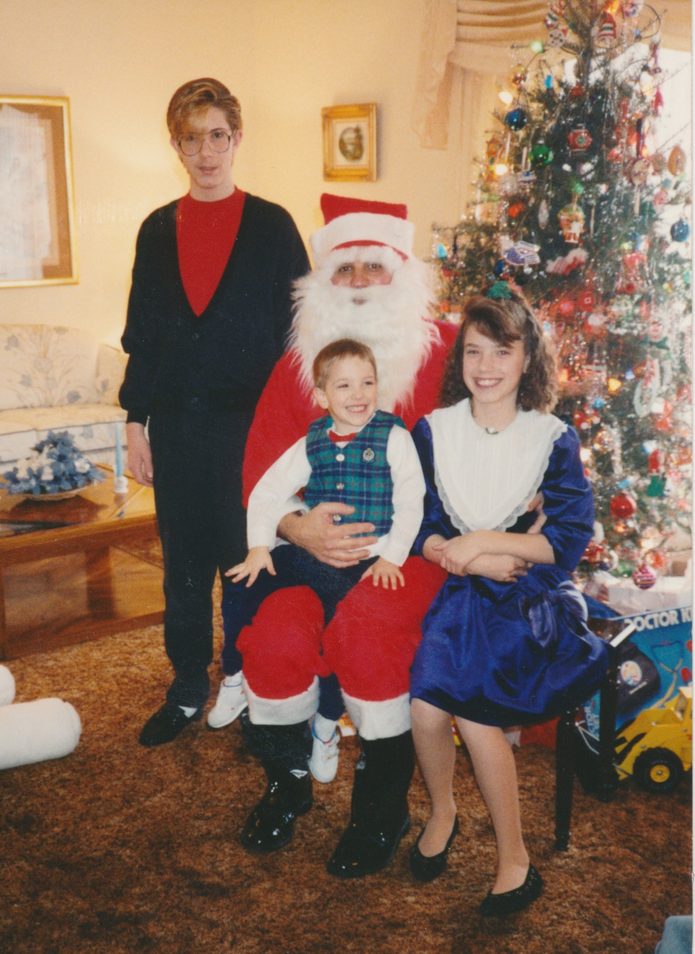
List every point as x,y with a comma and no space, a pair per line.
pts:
361,222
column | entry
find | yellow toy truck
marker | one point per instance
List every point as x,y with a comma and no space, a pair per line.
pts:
656,746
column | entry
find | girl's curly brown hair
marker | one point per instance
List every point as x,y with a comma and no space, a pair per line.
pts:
505,320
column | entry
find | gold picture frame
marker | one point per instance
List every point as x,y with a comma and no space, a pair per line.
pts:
37,243
349,142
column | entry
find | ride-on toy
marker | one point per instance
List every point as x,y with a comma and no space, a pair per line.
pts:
656,746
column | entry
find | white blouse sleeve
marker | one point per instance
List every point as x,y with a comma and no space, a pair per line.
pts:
274,495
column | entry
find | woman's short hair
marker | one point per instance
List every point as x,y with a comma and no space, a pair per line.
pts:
506,320
199,94
342,348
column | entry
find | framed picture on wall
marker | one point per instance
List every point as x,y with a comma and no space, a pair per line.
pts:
349,142
37,245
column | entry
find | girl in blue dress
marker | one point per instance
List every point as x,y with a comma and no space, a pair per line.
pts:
505,641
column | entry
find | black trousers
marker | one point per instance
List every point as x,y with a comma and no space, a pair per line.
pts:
197,456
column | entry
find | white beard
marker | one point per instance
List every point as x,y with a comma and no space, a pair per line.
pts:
392,319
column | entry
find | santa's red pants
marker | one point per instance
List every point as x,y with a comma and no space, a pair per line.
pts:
369,644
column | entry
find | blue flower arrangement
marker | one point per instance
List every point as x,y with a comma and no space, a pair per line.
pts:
56,466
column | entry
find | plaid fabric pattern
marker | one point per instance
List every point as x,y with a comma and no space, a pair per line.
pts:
357,474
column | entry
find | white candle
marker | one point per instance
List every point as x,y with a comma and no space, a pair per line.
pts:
118,468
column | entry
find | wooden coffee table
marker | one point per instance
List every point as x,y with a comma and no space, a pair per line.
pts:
73,570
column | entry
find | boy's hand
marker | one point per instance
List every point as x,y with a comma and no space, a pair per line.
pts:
384,573
257,559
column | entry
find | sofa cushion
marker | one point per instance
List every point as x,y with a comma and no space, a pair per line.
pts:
92,426
16,439
111,364
41,365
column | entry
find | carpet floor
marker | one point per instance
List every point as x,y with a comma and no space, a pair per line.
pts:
117,848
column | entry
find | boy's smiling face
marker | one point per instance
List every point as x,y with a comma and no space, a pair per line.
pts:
349,394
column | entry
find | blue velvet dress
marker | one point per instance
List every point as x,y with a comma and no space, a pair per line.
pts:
506,653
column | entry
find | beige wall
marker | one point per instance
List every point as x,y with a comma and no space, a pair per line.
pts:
119,60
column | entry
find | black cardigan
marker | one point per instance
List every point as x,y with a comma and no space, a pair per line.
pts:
223,357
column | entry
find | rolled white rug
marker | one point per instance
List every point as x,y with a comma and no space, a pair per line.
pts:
6,686
36,731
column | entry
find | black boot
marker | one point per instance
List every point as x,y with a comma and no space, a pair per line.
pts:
282,750
379,816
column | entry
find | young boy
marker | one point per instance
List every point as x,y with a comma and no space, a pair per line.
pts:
359,456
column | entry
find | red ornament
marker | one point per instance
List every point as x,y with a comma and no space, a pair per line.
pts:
644,577
515,209
657,560
567,308
577,91
623,506
655,462
586,299
581,420
594,553
579,140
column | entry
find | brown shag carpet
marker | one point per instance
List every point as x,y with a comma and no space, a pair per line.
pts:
117,848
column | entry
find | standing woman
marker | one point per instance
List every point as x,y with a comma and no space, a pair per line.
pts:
208,312
497,654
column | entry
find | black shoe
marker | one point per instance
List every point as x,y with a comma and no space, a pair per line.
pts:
365,849
166,724
499,905
424,868
271,824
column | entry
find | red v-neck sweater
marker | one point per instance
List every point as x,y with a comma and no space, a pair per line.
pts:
205,236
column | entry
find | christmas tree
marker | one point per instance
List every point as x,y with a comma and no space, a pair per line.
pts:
580,204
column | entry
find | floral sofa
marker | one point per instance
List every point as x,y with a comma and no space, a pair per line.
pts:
58,379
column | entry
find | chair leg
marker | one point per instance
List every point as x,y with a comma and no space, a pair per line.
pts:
607,775
564,779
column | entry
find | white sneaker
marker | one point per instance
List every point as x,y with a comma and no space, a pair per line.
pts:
231,702
323,763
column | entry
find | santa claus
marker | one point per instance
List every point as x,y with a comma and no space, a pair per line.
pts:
366,285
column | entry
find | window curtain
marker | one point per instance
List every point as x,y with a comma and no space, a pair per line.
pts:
467,42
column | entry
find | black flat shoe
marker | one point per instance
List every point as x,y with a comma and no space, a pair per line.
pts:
499,905
166,724
424,868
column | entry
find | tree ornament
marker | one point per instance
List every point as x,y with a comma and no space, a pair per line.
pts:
581,420
515,209
541,155
655,461
657,486
557,36
594,554
676,161
516,118
543,214
579,140
571,220
680,231
657,560
577,91
658,162
623,506
518,76
638,171
606,31
644,577
631,8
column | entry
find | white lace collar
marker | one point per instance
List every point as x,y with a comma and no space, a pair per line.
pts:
486,481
